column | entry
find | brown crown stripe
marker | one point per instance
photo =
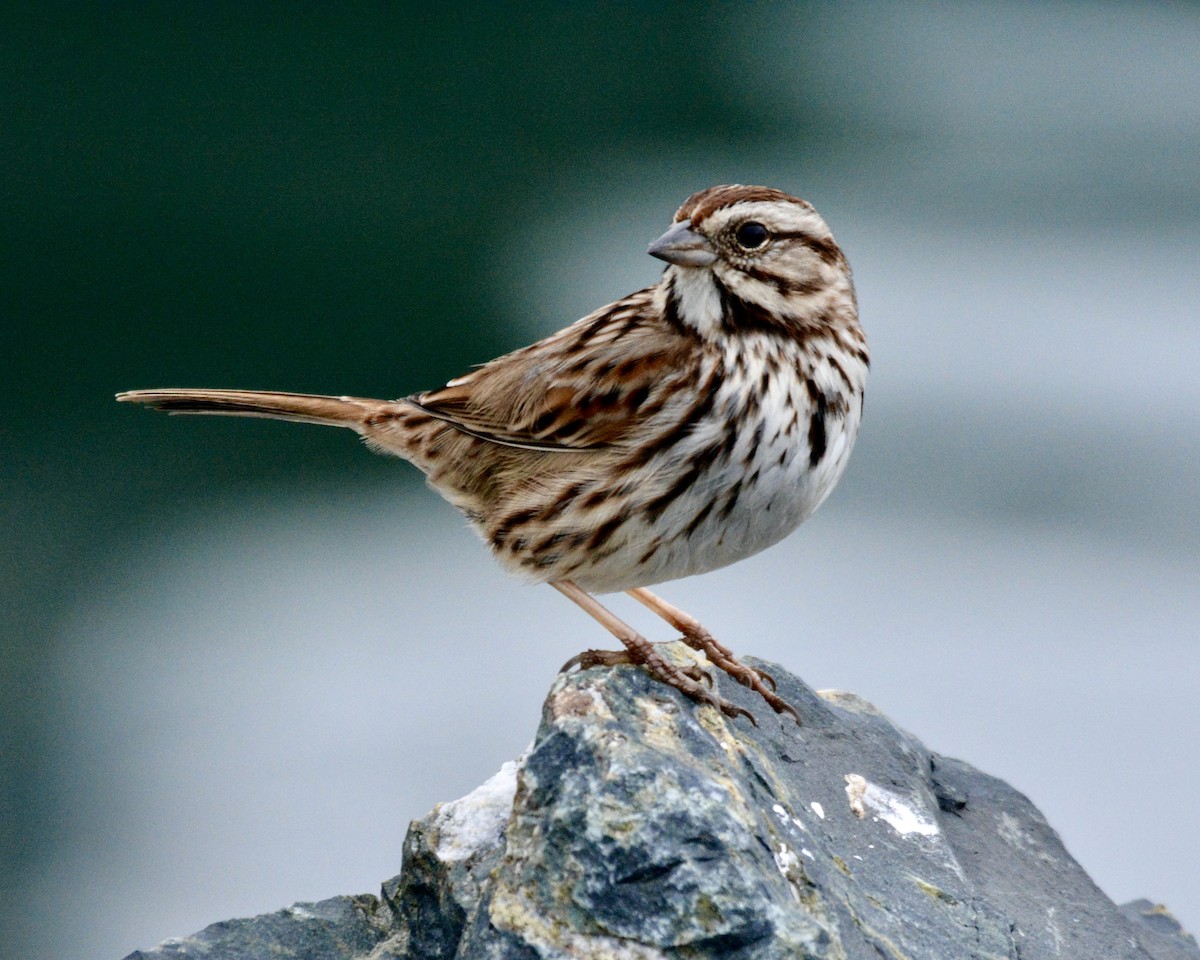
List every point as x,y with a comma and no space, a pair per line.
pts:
704,203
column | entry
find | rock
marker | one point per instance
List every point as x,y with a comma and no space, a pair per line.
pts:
640,825
339,927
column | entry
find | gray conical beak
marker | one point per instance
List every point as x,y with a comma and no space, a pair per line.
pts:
682,246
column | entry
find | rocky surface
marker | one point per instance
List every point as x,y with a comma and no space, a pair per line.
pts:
641,826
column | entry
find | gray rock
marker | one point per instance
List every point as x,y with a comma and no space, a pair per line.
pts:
639,825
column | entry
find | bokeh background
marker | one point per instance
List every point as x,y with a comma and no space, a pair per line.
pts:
238,657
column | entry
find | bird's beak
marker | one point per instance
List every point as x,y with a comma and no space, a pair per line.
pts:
683,246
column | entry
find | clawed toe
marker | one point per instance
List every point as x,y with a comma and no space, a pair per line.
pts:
733,711
596,658
757,680
782,706
695,672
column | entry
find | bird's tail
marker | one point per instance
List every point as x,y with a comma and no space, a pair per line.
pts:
352,412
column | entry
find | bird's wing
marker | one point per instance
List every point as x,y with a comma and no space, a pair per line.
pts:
589,386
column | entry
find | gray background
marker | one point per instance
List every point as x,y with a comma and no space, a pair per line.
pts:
238,657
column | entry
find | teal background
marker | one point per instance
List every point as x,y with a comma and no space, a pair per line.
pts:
369,200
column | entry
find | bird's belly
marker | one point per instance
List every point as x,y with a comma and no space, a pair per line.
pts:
729,513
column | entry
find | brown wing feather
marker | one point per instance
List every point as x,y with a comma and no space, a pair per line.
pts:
586,387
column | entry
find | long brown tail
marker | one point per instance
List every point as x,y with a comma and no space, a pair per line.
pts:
352,412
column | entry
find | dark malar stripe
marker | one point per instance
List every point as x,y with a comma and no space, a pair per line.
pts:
740,316
671,313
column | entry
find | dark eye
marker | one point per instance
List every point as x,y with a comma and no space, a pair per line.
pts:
751,235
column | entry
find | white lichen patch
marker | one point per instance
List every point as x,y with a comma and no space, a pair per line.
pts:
300,913
786,818
896,811
1011,832
789,866
786,859
472,822
856,786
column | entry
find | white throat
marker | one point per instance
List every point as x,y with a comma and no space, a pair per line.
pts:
699,302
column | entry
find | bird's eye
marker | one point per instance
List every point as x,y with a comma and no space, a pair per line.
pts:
751,235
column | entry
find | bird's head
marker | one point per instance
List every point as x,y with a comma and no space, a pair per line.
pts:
742,256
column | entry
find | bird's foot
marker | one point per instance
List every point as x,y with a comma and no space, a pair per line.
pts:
700,639
612,658
692,681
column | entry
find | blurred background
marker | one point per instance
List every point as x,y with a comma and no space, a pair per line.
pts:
238,657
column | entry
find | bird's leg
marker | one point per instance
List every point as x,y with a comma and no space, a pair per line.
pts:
639,651
698,638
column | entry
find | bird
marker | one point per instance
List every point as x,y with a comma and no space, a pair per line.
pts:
677,430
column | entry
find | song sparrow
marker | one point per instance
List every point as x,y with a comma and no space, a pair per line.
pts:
680,429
